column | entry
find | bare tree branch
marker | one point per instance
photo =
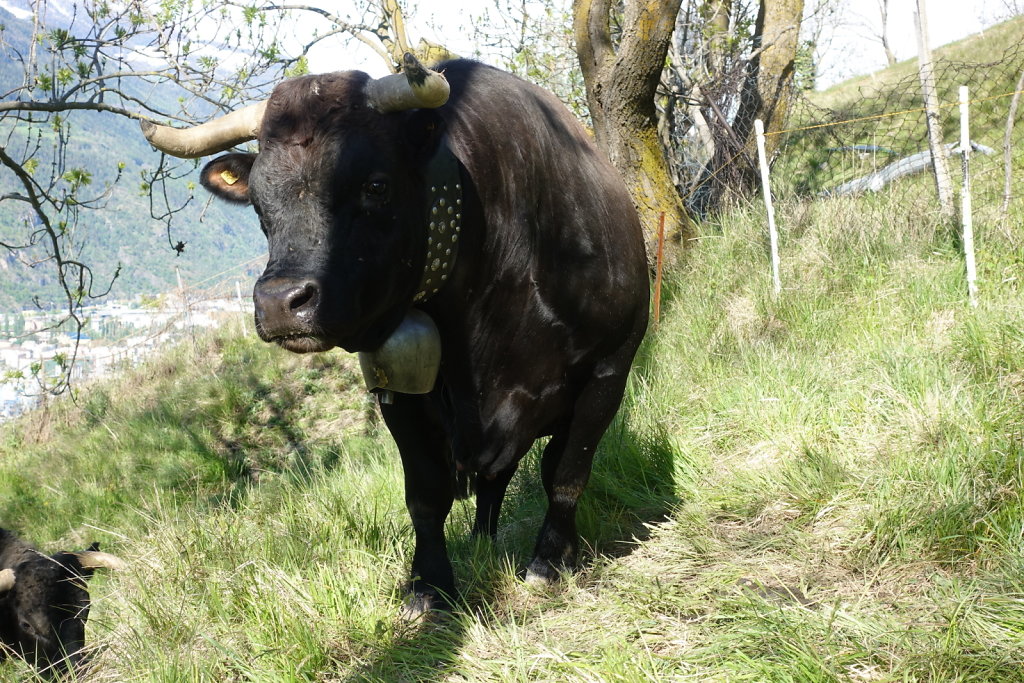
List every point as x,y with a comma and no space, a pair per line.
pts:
54,107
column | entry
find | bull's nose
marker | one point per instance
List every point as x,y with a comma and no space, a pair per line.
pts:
283,305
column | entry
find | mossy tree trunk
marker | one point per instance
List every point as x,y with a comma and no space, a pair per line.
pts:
766,94
769,90
621,76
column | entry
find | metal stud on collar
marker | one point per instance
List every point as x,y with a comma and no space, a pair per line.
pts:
444,222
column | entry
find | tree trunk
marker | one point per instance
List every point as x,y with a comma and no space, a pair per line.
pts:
890,56
766,94
1008,153
943,183
770,89
716,15
621,83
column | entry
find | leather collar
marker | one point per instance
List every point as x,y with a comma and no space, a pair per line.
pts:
444,221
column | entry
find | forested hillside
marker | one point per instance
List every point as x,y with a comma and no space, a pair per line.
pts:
106,146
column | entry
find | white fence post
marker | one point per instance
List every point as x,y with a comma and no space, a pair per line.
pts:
773,234
965,197
241,309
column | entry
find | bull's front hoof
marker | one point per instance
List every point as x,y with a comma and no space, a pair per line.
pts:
541,573
423,607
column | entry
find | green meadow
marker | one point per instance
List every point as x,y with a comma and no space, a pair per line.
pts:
820,485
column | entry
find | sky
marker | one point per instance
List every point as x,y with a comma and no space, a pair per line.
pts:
849,46
854,49
851,51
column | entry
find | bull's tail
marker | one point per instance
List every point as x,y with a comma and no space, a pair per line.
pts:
465,484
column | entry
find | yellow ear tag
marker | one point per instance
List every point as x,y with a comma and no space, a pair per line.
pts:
229,177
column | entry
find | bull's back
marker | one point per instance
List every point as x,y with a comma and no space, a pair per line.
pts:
557,213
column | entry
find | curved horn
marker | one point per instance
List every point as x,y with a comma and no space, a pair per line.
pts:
214,136
6,580
94,559
416,87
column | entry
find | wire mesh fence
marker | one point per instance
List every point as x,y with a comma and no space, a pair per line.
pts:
874,146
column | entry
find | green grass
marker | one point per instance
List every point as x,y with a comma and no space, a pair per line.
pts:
824,485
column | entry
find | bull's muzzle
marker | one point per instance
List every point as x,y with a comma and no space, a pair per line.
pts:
286,308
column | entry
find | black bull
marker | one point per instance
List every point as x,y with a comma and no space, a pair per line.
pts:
44,603
539,315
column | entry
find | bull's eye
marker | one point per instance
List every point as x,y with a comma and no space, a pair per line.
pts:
375,188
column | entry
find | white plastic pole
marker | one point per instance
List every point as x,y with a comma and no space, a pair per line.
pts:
773,234
965,197
241,308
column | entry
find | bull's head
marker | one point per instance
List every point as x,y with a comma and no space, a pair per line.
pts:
44,604
339,188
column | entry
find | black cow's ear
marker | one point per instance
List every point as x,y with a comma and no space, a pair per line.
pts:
71,562
227,177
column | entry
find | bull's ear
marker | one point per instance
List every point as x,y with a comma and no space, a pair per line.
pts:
6,581
227,177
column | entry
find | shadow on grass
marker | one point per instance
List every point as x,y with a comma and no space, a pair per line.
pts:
426,651
255,432
632,488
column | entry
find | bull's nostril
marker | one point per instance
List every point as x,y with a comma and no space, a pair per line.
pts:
303,297
286,307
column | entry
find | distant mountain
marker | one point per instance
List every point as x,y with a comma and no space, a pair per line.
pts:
58,12
217,237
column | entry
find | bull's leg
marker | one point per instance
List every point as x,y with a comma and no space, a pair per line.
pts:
489,495
429,493
565,470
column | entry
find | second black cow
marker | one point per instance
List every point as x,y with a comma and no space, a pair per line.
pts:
473,245
44,602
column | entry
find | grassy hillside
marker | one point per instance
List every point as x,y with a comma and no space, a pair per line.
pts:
989,46
820,486
834,131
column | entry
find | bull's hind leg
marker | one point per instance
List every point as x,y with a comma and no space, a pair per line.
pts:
565,470
429,493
